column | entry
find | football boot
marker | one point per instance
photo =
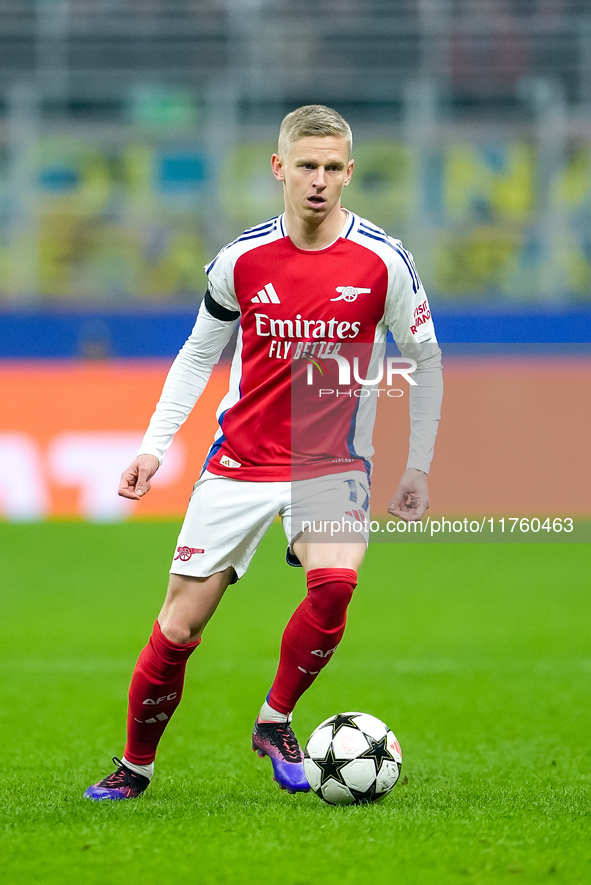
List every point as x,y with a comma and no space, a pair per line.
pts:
277,741
122,784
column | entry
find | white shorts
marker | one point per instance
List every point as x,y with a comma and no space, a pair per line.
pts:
227,518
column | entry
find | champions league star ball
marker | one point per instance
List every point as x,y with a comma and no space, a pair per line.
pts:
351,759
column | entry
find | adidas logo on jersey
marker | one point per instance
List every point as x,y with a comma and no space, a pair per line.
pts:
267,295
229,462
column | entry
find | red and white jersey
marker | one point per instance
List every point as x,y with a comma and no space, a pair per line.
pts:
299,307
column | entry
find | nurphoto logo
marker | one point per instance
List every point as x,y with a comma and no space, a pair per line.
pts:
389,369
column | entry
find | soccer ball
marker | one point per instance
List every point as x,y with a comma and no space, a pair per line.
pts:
351,759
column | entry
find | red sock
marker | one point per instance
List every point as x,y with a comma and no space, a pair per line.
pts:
312,634
154,694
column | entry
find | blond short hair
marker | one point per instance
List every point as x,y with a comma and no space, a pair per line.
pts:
311,120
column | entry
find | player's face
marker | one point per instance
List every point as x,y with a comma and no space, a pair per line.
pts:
314,173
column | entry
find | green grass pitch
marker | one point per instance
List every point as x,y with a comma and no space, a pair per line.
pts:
477,656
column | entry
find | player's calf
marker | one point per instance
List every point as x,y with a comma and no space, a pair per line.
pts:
312,635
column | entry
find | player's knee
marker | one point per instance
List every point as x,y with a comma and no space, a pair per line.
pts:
330,598
179,631
189,605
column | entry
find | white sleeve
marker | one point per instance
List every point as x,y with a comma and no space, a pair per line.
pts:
425,403
186,380
408,316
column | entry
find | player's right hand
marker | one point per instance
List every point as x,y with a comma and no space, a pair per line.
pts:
135,481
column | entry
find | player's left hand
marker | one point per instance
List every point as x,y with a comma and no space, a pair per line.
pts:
412,496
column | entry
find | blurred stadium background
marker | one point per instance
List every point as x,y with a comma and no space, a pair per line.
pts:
135,138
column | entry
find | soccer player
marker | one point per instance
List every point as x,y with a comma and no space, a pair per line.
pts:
303,287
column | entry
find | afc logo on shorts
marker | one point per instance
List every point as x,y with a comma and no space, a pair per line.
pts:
185,553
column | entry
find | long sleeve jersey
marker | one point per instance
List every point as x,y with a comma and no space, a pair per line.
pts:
311,342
